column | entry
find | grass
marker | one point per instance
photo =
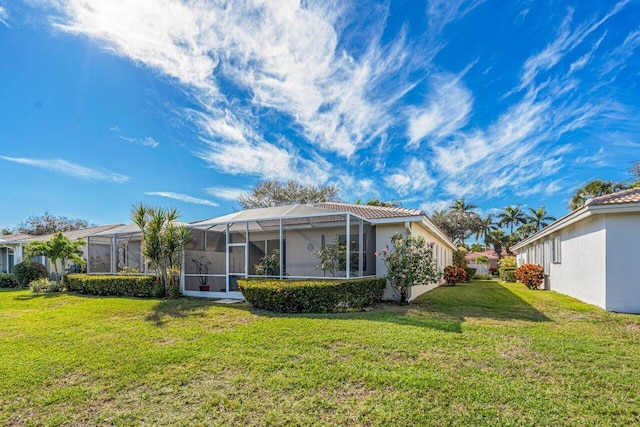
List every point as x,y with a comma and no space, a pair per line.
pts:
478,353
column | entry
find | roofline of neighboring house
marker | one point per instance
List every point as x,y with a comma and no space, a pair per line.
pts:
578,215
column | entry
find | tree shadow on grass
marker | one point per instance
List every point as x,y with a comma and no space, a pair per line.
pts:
181,308
444,309
32,296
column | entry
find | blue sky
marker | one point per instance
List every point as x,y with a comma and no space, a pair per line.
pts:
188,103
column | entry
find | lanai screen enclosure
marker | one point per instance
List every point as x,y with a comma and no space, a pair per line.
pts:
222,250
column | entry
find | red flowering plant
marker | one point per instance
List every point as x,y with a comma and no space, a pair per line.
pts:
453,275
409,262
531,275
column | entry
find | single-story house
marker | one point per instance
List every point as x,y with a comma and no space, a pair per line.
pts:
12,247
222,250
592,253
490,255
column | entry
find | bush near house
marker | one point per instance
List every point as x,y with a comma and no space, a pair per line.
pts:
28,271
453,275
312,296
469,272
8,280
507,269
129,286
531,275
45,285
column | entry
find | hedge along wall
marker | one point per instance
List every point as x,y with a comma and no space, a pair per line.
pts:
312,296
126,286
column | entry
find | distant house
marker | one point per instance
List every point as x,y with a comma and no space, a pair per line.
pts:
592,253
227,248
12,246
492,261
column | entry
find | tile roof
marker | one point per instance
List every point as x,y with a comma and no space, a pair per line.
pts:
370,212
632,195
72,235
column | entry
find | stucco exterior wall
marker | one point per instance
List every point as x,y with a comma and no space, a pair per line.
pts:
623,258
581,272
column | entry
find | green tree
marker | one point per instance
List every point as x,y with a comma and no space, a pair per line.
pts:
273,193
47,224
512,216
498,239
376,202
539,218
594,188
476,247
163,241
5,232
485,226
459,222
58,248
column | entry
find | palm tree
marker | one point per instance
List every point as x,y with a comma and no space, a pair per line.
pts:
512,216
485,226
539,218
498,240
461,206
58,248
592,189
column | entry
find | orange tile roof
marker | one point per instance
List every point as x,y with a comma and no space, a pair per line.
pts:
632,195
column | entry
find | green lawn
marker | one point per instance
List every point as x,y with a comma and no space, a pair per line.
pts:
480,353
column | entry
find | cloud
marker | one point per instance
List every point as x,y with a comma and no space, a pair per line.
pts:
182,197
566,41
447,110
410,178
67,168
4,16
225,193
146,142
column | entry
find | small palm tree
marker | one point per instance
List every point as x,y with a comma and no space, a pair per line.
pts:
462,206
498,239
58,248
486,225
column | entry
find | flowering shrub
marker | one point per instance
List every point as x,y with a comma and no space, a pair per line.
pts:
409,262
453,275
531,275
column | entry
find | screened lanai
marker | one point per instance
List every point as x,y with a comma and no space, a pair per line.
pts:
117,250
224,249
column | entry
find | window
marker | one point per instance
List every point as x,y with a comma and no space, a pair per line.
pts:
556,251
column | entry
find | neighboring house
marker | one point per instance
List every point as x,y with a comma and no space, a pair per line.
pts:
492,259
592,253
12,247
224,249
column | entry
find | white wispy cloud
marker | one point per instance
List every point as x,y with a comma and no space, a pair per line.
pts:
410,178
568,39
146,142
69,168
4,16
182,197
225,193
447,110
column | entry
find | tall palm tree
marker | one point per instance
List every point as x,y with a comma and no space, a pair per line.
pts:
512,216
498,240
539,218
486,225
462,206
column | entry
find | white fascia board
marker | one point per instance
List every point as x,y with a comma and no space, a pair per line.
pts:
395,220
615,208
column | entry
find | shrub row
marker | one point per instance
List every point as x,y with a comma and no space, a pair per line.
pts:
127,286
312,296
8,280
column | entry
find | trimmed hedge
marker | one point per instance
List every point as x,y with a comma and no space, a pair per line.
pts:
312,296
124,286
